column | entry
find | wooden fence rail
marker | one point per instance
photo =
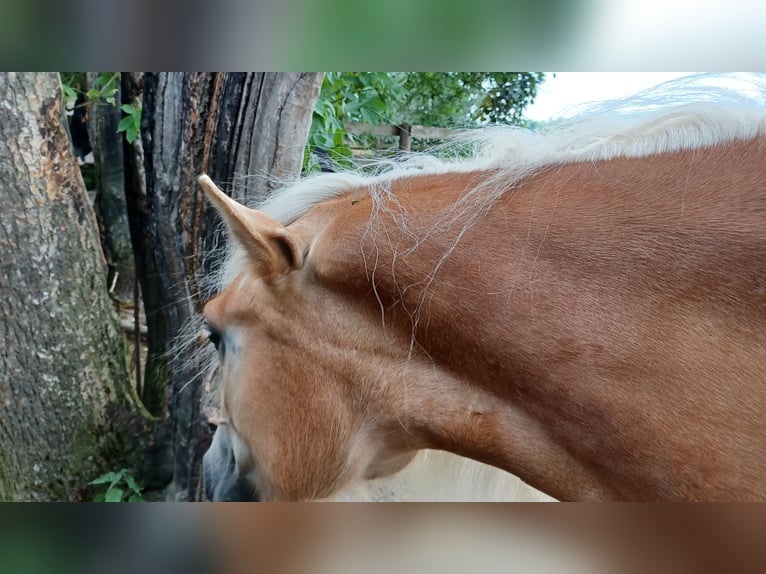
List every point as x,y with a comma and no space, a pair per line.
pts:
405,132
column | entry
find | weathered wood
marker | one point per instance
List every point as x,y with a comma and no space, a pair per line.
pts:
417,132
426,132
110,204
134,183
64,382
361,129
405,137
247,131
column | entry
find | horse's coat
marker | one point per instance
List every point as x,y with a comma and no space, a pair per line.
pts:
585,311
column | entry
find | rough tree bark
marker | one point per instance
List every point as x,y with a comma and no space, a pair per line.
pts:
64,387
230,126
110,193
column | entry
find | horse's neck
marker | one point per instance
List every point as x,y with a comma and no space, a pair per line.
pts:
599,307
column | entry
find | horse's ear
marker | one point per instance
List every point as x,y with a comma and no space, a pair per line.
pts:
273,250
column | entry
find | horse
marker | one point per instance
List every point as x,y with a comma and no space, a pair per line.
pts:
584,309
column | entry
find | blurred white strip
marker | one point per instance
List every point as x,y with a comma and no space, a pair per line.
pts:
662,35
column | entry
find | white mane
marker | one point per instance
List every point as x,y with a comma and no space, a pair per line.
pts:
692,112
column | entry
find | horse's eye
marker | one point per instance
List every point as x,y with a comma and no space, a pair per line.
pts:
213,336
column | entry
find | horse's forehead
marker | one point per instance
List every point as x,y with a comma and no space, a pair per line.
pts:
239,299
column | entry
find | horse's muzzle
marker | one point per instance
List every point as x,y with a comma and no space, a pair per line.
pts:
220,475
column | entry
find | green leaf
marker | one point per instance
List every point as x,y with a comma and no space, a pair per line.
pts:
376,104
131,134
69,92
132,484
125,123
109,477
104,78
113,494
369,116
93,94
353,108
337,140
99,497
128,108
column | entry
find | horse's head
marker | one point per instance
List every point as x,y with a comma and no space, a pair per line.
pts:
302,371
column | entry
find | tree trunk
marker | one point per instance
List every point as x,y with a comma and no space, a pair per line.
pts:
110,204
230,126
64,388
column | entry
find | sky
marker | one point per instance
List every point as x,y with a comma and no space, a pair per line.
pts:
565,89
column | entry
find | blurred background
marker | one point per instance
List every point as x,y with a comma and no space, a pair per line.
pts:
341,34
377,539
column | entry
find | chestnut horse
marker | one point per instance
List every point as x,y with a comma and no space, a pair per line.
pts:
584,309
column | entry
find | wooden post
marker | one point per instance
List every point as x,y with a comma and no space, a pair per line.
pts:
405,137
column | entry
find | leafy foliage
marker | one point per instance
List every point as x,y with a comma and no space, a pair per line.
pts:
103,93
347,96
117,486
71,84
105,89
131,123
444,99
69,92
